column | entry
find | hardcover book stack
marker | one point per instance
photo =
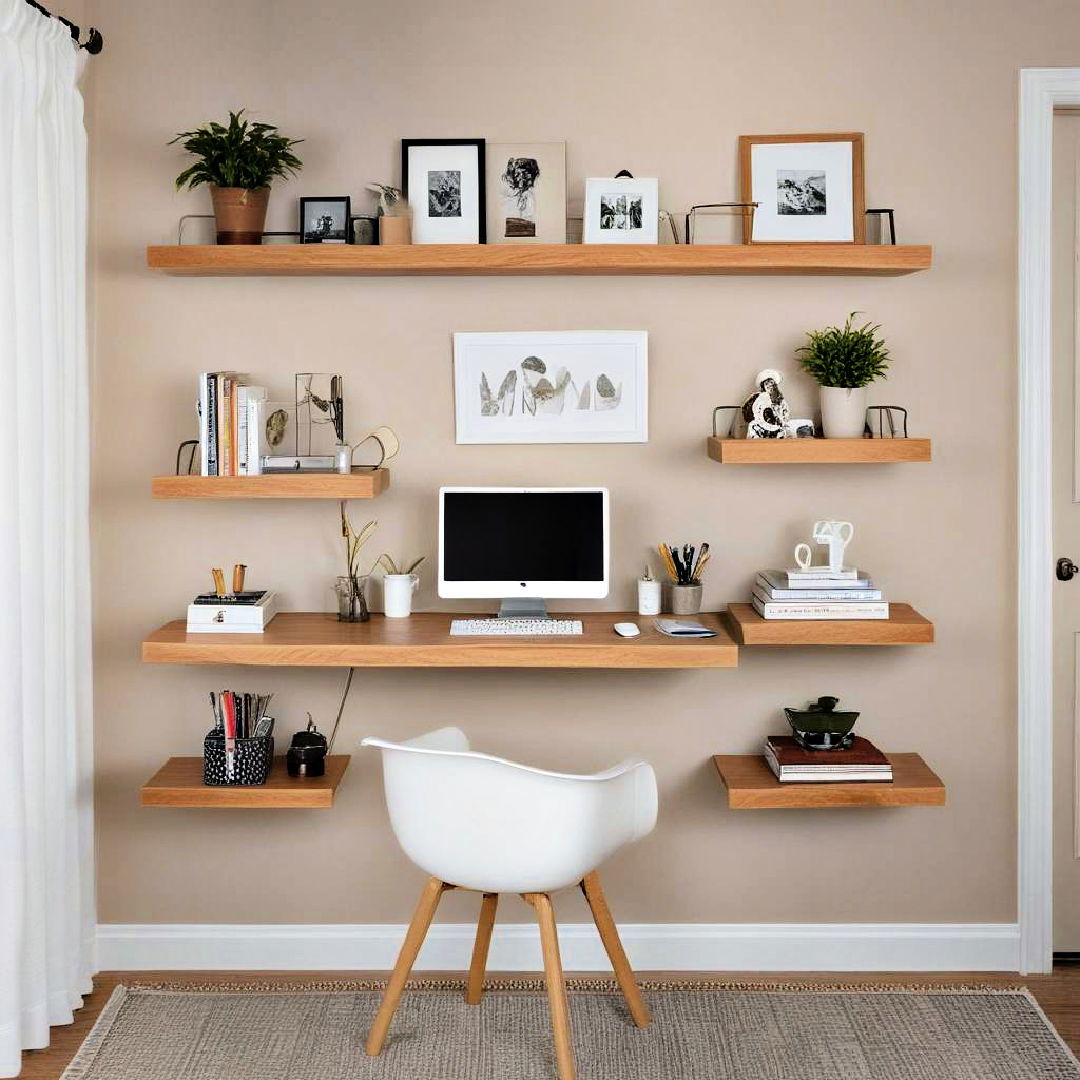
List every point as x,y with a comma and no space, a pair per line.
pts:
818,593
230,419
860,762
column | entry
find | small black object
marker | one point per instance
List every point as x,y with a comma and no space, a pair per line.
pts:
820,727
307,754
252,761
886,213
1066,569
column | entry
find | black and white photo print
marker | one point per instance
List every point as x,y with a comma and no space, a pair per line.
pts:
527,182
444,182
621,210
800,191
518,194
325,220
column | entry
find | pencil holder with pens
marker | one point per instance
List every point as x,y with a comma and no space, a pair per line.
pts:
250,762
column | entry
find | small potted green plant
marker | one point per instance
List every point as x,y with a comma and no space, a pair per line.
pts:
238,162
845,360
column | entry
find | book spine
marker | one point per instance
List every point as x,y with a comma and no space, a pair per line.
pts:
242,431
201,412
792,610
211,425
225,424
768,592
234,427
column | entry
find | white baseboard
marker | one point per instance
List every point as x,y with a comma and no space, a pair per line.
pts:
516,947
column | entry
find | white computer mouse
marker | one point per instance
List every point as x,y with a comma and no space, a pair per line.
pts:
627,629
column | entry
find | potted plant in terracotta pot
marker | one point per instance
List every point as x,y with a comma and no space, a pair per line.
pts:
844,360
239,162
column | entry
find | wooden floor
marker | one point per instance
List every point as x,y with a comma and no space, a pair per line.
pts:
1059,995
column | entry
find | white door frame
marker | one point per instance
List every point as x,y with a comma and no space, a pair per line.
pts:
1041,91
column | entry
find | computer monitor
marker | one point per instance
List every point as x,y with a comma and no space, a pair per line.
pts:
523,546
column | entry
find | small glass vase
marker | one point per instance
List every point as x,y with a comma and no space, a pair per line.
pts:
352,603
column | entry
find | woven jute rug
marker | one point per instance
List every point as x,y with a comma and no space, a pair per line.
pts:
700,1031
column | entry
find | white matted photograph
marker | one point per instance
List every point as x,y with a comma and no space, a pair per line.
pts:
526,193
444,182
574,386
621,210
809,189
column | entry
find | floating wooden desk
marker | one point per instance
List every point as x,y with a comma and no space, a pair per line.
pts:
301,639
751,785
817,451
179,782
570,259
359,484
904,626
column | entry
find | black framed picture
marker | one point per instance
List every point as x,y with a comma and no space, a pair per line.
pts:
443,179
325,219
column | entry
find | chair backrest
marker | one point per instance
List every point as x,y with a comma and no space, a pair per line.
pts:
485,823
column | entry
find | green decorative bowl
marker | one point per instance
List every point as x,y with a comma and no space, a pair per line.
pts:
820,727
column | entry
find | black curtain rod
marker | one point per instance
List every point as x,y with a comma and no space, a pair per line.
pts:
94,40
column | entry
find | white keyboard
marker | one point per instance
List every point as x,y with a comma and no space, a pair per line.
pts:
513,627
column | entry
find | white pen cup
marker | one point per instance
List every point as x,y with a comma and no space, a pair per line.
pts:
648,597
397,594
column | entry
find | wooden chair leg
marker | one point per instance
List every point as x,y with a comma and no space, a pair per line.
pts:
410,947
474,989
609,935
556,986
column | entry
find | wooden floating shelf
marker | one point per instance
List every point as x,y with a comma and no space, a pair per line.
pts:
466,259
904,626
301,639
817,451
360,484
179,782
751,785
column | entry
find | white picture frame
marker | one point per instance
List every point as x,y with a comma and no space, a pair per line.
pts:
526,190
621,210
580,386
443,180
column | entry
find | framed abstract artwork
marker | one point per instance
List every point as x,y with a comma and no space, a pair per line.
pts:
443,180
585,386
809,189
621,210
526,193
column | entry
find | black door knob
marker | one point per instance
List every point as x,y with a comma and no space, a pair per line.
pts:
1066,569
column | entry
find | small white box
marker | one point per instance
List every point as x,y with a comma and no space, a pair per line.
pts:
232,618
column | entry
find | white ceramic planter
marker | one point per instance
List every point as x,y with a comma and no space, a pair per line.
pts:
843,411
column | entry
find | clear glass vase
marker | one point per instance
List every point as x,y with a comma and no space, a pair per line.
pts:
352,603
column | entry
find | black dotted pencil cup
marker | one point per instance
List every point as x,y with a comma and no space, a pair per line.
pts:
251,762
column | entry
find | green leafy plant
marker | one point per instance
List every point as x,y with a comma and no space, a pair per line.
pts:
845,355
391,567
246,154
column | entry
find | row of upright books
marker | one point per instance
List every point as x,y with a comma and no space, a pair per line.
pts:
231,416
818,593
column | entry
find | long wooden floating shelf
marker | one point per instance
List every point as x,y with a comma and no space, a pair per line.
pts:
466,259
359,484
817,451
751,785
302,639
904,626
179,782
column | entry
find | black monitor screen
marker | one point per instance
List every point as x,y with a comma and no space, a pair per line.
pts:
523,536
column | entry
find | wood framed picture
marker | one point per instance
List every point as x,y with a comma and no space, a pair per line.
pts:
586,386
526,190
810,189
443,180
325,220
621,210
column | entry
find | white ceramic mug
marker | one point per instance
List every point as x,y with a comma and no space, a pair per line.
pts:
397,594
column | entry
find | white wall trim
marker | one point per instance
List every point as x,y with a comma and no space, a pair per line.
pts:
1041,89
516,947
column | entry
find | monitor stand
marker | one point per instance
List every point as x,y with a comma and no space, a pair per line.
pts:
523,607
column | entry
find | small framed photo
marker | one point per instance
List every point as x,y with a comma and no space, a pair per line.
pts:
810,189
621,210
443,180
325,220
585,386
365,230
526,186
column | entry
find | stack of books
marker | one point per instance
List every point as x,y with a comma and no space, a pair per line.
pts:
229,424
861,762
817,593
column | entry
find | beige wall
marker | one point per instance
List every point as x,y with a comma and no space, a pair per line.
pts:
662,92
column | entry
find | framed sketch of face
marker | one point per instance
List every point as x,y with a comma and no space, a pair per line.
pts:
526,193
444,181
621,210
809,189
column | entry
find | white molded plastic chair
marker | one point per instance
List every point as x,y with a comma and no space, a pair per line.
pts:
474,821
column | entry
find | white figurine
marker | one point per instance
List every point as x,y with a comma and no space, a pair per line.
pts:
765,411
837,534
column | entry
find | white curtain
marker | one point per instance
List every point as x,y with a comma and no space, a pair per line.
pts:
46,827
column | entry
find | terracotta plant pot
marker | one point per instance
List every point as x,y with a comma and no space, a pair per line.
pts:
240,214
395,230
